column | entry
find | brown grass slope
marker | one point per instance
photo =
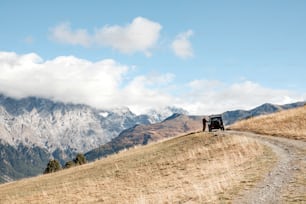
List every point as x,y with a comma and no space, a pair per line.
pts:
177,124
288,123
194,168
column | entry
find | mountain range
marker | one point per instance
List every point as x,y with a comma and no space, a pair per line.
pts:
175,125
34,130
230,117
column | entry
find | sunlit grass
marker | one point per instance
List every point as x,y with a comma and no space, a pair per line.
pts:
289,123
195,168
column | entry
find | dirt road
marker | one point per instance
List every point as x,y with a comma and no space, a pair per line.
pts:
286,182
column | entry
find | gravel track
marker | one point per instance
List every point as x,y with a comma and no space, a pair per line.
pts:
291,160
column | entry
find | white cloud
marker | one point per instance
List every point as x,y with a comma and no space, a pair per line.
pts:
62,33
140,35
70,79
65,78
182,46
106,84
208,97
147,92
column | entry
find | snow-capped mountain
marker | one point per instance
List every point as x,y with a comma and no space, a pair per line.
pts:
62,130
157,115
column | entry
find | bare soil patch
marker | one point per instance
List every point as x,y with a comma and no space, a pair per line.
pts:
286,181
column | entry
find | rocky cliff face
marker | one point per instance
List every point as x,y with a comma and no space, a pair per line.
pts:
51,125
59,130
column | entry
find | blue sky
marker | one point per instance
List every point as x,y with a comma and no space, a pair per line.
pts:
204,56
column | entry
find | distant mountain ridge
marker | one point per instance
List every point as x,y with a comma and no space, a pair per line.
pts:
58,130
175,125
143,134
230,117
33,130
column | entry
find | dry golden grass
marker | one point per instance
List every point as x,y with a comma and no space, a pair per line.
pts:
288,123
195,168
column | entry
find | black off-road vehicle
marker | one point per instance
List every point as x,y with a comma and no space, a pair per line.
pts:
215,122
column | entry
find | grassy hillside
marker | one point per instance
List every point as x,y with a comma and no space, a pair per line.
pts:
288,123
175,125
194,168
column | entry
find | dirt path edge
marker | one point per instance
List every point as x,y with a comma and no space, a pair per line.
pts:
271,189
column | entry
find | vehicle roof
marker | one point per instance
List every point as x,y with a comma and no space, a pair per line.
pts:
215,116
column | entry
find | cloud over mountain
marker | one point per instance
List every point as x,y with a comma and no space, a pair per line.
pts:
107,84
64,78
70,79
212,96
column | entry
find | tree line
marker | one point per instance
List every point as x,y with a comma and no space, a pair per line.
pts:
54,165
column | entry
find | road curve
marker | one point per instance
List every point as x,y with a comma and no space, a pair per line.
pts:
282,178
